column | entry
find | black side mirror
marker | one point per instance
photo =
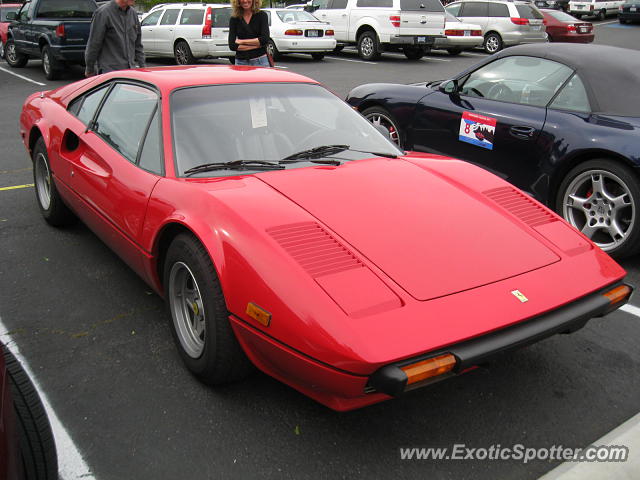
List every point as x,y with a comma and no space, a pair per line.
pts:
450,87
12,16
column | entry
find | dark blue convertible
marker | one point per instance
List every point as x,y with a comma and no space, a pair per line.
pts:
560,121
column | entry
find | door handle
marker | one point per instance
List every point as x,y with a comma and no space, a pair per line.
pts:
524,132
344,14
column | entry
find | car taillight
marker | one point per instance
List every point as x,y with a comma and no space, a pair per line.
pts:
293,32
454,33
520,21
60,31
395,20
571,28
620,8
206,29
591,7
328,32
476,33
544,21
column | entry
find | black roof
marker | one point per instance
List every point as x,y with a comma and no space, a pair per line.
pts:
611,74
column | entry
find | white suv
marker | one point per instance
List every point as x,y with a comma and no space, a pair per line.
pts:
376,25
187,31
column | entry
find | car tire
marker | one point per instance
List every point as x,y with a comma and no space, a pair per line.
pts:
413,53
50,66
380,116
601,15
51,205
454,51
182,53
317,56
199,316
13,58
492,43
1,49
368,46
608,214
273,50
37,445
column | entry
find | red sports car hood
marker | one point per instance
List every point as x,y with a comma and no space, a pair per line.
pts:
429,233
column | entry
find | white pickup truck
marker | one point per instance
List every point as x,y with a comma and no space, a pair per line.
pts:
378,25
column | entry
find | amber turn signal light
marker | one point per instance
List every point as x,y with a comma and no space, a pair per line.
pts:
618,294
258,314
431,367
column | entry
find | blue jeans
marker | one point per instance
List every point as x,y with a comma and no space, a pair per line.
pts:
262,61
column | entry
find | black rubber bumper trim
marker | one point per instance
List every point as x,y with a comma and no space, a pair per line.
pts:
391,380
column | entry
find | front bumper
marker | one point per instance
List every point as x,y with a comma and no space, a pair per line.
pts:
392,380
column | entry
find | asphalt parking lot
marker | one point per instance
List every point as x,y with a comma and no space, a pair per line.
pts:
99,345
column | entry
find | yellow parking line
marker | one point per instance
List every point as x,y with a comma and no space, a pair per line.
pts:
28,185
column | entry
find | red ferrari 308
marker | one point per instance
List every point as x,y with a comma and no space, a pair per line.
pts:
286,231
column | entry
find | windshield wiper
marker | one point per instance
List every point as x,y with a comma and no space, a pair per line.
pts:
235,165
326,150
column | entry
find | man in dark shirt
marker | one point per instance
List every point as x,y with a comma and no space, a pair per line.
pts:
115,39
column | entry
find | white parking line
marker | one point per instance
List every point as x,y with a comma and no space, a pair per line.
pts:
605,23
71,465
631,309
350,60
20,76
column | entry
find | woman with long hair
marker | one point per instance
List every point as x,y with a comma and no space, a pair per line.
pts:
249,33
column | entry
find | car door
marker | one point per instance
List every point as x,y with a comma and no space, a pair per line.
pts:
165,31
19,28
149,27
335,12
493,117
113,164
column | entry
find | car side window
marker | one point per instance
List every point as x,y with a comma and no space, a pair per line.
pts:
221,17
124,116
170,16
498,10
151,154
573,96
23,14
337,4
517,79
374,3
85,107
474,9
454,9
152,18
192,16
322,4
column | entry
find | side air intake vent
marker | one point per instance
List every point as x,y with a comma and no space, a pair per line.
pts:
314,248
520,205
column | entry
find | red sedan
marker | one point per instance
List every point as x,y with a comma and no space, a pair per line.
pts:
286,231
562,27
4,25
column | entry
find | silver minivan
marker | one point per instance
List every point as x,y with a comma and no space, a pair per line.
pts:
503,22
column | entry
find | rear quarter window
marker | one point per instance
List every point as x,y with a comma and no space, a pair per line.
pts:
421,6
526,11
498,10
220,17
192,16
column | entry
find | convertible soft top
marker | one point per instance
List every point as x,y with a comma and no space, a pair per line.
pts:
611,73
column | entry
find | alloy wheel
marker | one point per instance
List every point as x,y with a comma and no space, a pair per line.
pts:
187,309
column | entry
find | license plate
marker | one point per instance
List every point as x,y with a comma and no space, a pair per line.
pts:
421,39
633,9
467,33
313,33
536,27
583,30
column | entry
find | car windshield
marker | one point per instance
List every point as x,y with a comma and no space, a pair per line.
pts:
66,9
4,11
563,17
289,16
267,122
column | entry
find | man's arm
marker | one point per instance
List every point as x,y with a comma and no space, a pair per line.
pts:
140,60
94,43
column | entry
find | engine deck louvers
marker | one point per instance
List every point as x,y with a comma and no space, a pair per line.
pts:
314,248
520,205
